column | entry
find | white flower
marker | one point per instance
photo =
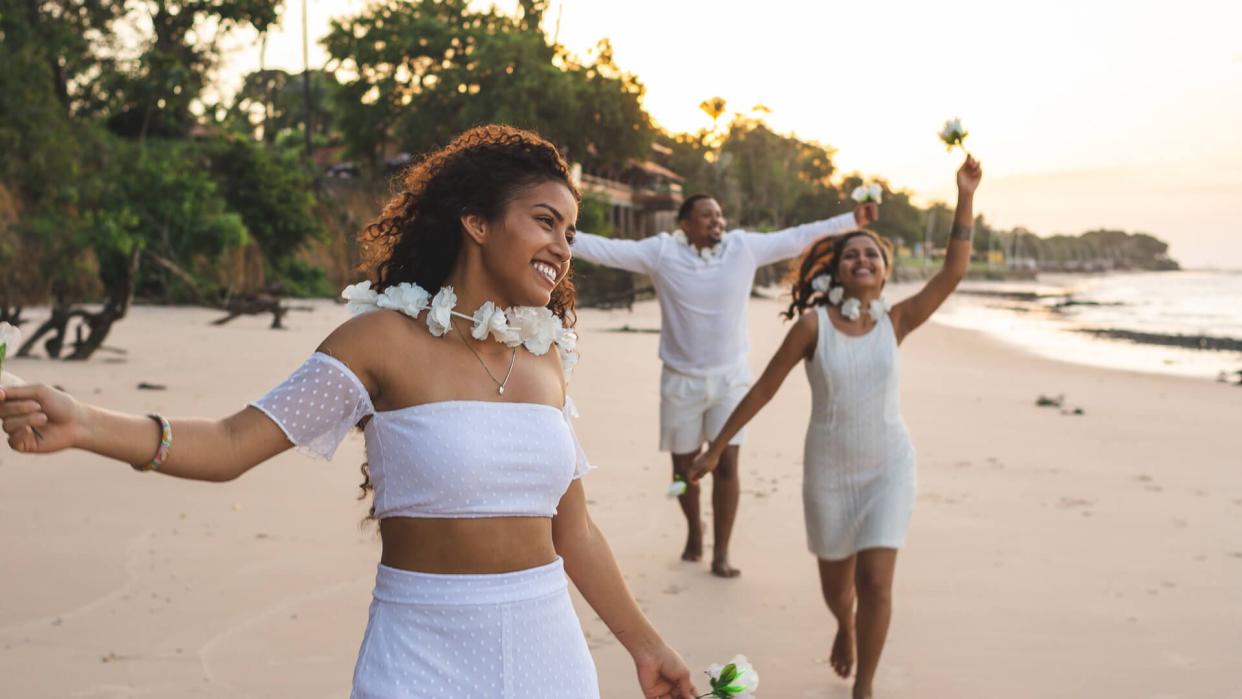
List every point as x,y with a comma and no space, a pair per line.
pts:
490,319
440,317
567,339
10,339
852,308
822,283
953,133
677,488
536,326
707,253
10,335
870,192
835,295
743,683
360,298
569,360
410,299
877,309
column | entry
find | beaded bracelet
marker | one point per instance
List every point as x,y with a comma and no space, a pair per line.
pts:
165,444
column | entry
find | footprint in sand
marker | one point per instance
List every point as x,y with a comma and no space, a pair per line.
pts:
1069,503
1143,478
675,589
963,464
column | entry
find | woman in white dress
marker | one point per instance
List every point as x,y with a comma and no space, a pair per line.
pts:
475,467
859,473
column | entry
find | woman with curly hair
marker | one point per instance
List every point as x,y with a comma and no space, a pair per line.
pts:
858,466
474,465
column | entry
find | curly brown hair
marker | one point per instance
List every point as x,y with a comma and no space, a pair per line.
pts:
418,235
822,258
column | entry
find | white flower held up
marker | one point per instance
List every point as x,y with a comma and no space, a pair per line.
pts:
10,336
733,681
870,192
954,134
440,315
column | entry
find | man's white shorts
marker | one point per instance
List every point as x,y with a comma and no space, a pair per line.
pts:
693,409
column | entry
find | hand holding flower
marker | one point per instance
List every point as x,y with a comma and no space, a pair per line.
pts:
662,673
866,213
39,419
704,464
969,175
736,680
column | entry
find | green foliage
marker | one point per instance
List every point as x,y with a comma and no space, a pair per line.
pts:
422,72
272,193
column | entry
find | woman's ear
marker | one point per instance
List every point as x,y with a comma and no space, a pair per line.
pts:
475,226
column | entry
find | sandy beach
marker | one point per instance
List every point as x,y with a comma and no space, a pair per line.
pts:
1050,555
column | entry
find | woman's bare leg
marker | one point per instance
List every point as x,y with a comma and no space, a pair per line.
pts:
874,582
836,579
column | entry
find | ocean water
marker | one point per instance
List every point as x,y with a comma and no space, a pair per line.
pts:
1055,316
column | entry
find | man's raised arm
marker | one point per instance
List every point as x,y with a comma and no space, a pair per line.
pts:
640,256
782,245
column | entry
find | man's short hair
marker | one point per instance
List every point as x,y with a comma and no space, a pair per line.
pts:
687,206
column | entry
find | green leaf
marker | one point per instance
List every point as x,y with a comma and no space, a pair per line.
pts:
728,674
4,349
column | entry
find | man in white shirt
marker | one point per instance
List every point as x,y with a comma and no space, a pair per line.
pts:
703,278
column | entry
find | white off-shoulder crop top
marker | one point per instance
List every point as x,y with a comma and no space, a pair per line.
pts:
453,459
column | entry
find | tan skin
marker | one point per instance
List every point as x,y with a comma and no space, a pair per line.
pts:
496,264
865,578
704,226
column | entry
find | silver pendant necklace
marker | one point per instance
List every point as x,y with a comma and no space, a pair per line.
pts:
500,385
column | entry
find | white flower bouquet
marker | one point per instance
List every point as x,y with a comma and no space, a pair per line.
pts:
733,681
953,135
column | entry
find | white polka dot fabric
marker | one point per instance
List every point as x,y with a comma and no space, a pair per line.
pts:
457,458
317,405
504,636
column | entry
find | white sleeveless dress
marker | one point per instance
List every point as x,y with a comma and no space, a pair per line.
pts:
859,474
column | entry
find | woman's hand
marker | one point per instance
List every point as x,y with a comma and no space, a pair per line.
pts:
866,213
662,674
968,176
703,464
40,419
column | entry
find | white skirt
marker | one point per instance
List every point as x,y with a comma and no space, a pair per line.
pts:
503,636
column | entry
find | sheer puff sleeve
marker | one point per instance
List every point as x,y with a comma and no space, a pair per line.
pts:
317,405
581,465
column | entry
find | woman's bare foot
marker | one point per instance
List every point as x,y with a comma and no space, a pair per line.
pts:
694,545
842,658
722,569
861,692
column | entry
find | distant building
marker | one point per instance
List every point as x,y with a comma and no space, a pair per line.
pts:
642,200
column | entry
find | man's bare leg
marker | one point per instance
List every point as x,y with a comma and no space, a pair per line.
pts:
689,502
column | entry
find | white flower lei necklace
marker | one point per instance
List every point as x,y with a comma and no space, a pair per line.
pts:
708,253
851,308
534,327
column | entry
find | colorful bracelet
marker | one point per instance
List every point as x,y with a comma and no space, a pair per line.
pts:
165,444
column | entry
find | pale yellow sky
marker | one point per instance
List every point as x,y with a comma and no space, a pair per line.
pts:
1085,113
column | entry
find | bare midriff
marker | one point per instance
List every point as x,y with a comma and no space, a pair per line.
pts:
469,546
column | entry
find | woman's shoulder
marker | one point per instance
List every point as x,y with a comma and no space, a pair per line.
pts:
366,342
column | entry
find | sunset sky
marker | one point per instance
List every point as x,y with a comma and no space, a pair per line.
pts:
1085,114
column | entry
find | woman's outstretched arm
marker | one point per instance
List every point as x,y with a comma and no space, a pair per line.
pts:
799,344
590,564
39,419
915,311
